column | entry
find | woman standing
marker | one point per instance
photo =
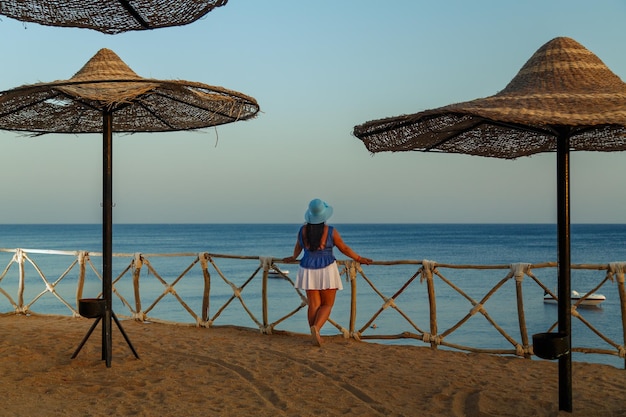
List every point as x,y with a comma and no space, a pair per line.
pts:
318,274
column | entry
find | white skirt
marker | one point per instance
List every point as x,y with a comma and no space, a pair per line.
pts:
319,279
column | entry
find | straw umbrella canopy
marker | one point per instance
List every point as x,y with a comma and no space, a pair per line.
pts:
106,84
106,96
564,98
109,16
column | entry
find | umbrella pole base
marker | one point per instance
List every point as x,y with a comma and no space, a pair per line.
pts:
91,329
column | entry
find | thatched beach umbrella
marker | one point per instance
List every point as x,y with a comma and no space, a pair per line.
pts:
110,16
564,98
107,96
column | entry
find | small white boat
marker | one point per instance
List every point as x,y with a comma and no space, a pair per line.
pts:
592,299
272,273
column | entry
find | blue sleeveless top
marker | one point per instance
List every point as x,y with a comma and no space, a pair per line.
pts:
320,258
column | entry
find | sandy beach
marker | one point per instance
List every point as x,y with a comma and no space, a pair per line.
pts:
189,371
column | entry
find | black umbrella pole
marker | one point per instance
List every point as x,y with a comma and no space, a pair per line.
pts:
107,234
564,270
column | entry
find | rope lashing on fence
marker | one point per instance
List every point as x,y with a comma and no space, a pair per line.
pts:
266,262
200,322
18,257
477,308
137,261
22,308
428,267
389,302
523,351
236,290
203,257
429,338
351,268
203,323
519,270
345,332
82,257
139,316
616,268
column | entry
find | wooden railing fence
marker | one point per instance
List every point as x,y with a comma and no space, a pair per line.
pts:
207,286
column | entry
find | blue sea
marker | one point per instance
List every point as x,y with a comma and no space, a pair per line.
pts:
458,244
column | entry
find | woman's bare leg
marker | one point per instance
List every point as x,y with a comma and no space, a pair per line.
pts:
320,305
314,301
327,300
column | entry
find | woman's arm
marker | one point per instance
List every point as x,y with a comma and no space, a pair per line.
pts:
296,252
346,250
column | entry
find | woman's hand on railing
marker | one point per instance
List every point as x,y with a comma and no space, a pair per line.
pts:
289,259
363,260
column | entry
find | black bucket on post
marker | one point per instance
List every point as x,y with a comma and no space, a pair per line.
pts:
550,345
91,308
95,308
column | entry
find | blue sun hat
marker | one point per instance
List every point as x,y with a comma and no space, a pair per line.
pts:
319,211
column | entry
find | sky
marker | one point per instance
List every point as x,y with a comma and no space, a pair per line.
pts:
317,69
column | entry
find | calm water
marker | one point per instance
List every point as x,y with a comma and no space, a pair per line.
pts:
478,244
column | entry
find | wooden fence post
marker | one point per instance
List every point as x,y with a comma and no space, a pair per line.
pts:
137,265
82,256
518,271
19,255
266,263
427,273
204,264
618,268
352,277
